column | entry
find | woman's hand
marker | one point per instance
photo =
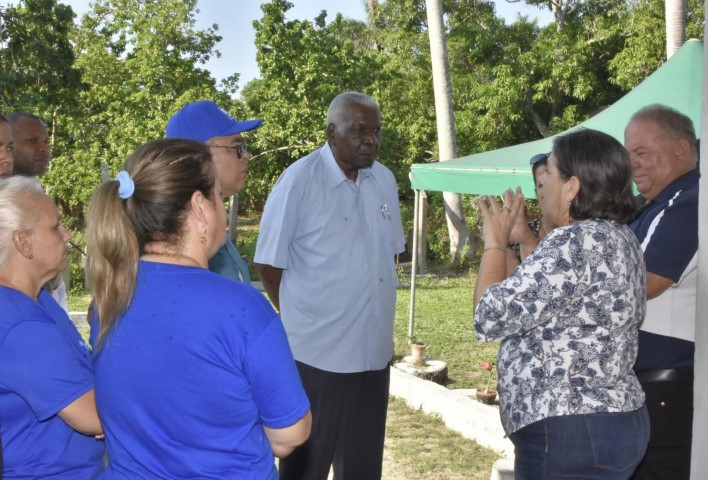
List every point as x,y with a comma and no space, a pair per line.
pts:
499,221
520,231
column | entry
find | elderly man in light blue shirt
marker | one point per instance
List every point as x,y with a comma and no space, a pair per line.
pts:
326,251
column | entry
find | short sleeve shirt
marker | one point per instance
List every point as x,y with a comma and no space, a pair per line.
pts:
44,366
336,241
667,229
190,375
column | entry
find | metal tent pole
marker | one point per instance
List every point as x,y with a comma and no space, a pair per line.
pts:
414,264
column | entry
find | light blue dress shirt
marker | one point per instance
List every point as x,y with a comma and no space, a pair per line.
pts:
336,241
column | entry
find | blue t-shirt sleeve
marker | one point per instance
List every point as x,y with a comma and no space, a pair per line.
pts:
38,363
673,241
277,391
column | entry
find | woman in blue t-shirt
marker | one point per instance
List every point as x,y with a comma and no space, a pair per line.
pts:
48,415
194,374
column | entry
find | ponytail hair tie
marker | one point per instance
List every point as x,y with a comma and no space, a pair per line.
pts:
126,187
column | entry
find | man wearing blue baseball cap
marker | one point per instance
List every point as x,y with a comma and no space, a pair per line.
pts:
206,122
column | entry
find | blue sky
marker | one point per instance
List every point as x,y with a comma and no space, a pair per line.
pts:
235,19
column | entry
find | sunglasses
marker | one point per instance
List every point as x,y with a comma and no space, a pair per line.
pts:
538,158
240,149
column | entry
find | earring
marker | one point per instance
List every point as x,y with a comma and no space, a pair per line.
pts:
30,256
203,236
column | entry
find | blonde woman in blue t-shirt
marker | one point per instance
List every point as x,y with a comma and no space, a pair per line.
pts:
48,415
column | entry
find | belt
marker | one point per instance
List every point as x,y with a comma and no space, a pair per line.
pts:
665,375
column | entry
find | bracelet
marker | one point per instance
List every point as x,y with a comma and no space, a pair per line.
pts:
494,247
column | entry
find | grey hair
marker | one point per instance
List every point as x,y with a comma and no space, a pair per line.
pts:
336,113
674,123
14,210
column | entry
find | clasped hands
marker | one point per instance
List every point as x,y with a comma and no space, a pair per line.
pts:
504,223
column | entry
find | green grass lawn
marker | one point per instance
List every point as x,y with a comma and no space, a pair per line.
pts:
421,447
443,319
78,301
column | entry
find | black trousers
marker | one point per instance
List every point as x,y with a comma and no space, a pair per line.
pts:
670,406
348,426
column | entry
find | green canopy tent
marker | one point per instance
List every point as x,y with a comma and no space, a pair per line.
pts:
677,83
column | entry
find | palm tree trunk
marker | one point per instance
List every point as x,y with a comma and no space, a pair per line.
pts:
675,25
447,142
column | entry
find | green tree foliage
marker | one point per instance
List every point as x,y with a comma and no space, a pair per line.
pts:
490,82
37,70
644,29
140,60
405,90
304,65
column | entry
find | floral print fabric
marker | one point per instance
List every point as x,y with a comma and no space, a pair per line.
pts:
568,322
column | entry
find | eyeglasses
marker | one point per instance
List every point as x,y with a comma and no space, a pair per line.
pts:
240,149
361,132
538,158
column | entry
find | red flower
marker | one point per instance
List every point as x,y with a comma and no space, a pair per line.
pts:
488,367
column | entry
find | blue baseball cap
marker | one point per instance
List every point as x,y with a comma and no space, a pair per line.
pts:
203,120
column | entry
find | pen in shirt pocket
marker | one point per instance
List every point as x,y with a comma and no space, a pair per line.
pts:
384,212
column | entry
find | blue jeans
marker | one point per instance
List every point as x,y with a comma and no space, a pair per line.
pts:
603,446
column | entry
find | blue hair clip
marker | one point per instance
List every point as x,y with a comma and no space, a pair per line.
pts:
126,186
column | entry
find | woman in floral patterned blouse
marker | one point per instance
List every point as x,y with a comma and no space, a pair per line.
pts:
568,318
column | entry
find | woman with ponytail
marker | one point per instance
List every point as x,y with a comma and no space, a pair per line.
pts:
194,375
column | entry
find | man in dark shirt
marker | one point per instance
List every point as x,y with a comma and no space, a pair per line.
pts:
664,157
